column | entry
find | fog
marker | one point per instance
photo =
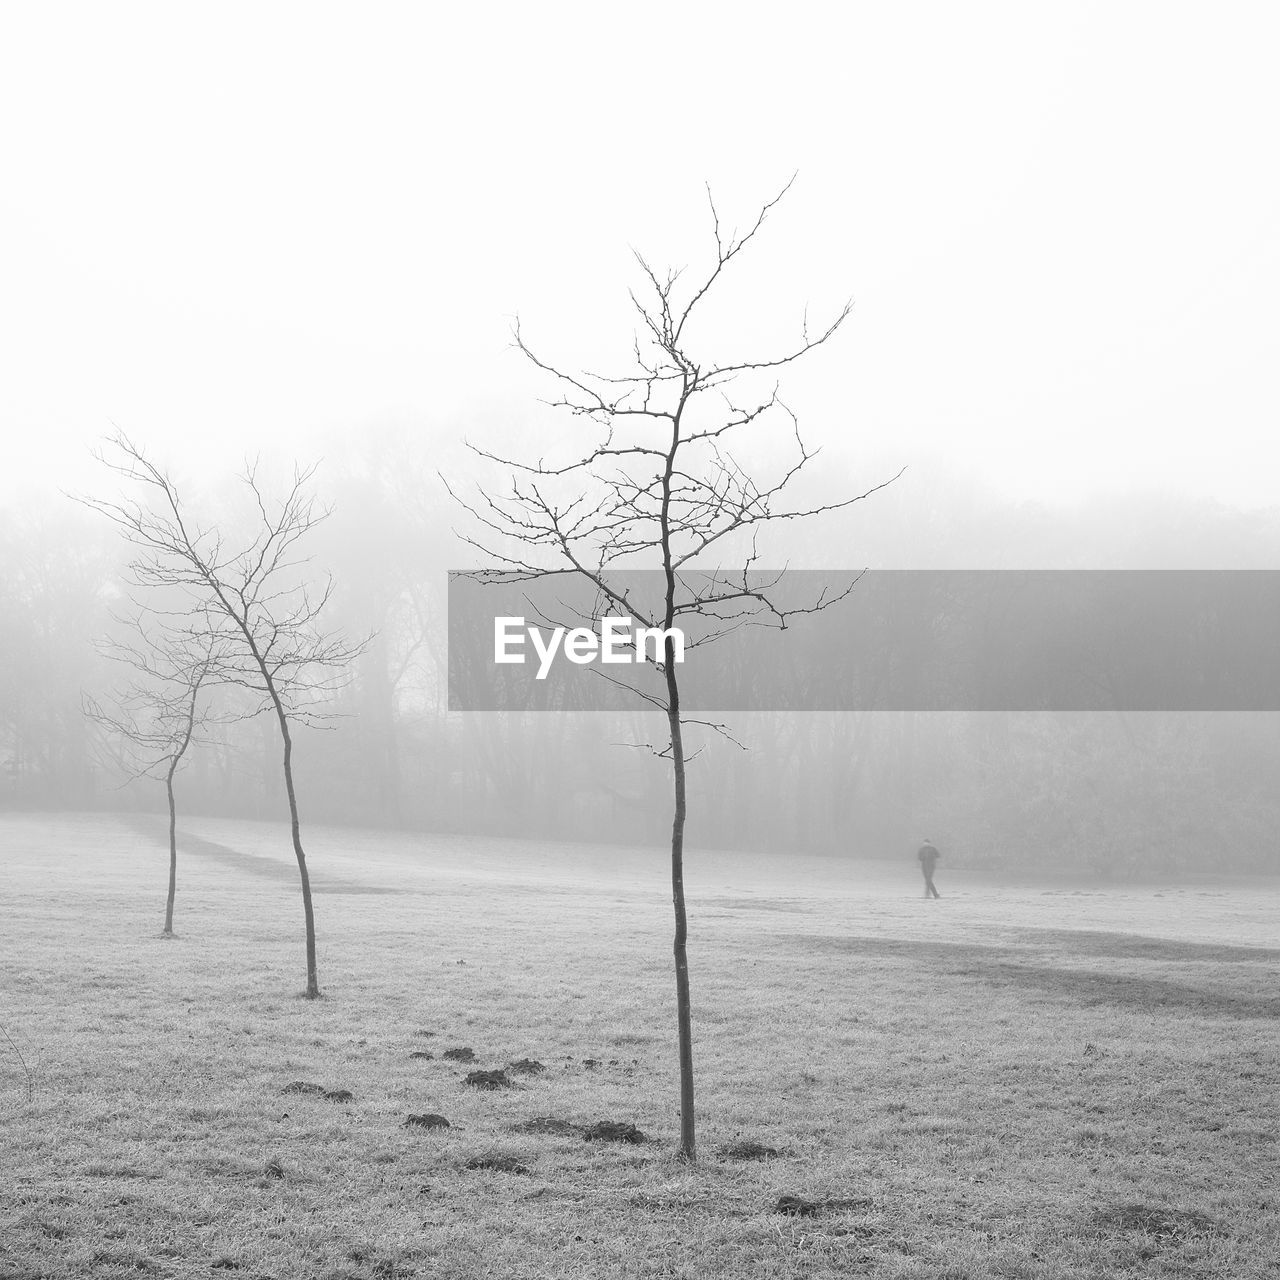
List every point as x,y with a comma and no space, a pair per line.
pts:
307,241
1099,792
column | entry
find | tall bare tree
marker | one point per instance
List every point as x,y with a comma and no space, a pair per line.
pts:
158,714
253,595
656,485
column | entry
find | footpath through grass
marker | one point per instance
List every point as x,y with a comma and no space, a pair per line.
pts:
1024,1082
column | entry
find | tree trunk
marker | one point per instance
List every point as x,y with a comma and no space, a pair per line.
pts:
313,981
174,761
684,1016
173,852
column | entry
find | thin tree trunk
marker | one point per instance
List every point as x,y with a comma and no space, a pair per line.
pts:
313,981
684,1015
173,850
187,735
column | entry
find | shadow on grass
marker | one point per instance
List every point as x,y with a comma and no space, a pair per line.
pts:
1004,966
1136,946
755,904
157,828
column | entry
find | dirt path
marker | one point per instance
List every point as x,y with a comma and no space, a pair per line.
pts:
253,863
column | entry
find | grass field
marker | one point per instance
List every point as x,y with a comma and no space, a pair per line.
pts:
1024,1081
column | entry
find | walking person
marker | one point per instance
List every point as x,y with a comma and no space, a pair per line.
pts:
929,856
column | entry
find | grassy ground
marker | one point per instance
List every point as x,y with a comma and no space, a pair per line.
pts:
1016,1081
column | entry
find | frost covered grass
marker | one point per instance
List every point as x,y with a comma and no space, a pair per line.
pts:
1020,1080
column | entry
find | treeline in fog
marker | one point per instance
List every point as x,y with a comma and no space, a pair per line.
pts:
1099,793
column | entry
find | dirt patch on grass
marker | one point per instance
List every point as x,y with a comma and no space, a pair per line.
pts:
429,1120
613,1131
488,1079
462,1054
549,1126
424,1055
308,1088
527,1067
799,1207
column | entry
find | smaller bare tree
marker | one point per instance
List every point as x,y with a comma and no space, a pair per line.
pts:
254,596
158,714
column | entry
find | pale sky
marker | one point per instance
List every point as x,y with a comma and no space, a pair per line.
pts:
229,227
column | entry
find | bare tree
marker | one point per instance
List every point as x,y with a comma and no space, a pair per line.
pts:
251,597
157,716
656,485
